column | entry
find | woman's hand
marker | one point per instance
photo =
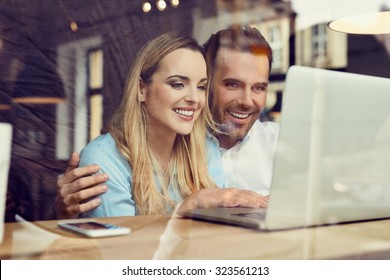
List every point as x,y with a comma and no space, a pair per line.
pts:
231,197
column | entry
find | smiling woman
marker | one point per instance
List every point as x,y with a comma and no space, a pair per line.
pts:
176,94
155,150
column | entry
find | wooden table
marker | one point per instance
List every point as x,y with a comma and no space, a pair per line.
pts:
163,237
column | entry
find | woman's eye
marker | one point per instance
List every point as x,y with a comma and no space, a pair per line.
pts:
202,87
177,85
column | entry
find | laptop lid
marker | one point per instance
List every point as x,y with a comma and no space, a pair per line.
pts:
333,155
331,164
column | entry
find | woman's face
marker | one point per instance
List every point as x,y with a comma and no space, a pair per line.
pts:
177,93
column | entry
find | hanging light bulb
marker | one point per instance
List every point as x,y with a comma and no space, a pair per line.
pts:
73,26
161,5
146,7
175,3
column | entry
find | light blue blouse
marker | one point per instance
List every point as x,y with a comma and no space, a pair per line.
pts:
118,201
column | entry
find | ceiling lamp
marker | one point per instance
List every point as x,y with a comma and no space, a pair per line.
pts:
371,23
73,26
161,5
175,3
146,7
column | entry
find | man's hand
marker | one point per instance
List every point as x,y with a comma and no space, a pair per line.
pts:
75,186
209,198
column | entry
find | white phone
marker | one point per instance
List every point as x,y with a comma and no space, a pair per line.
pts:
94,229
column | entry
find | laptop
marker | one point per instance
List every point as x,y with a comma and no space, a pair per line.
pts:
332,163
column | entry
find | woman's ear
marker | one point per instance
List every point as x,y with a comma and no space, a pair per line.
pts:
142,91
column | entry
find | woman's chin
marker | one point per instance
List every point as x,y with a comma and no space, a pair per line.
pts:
184,131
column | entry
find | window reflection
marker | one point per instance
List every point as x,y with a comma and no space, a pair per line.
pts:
82,51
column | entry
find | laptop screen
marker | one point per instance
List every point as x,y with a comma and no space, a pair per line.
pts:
333,153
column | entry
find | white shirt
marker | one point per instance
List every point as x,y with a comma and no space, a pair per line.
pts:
249,163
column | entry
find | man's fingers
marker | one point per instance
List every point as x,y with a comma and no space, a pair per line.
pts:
77,197
87,182
92,204
75,210
67,186
73,161
79,172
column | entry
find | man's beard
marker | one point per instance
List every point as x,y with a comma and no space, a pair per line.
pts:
233,131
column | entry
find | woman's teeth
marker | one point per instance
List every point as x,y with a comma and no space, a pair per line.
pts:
184,112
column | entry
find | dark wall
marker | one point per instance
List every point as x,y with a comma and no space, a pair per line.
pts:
368,56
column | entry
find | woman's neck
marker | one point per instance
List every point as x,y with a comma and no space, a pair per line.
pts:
161,145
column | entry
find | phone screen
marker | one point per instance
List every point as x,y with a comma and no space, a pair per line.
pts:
94,229
89,225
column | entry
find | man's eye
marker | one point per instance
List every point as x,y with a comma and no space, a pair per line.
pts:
232,85
259,89
177,85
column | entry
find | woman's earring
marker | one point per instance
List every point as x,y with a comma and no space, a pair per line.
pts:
141,97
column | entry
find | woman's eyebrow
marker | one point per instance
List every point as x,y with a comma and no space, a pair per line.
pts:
179,76
185,78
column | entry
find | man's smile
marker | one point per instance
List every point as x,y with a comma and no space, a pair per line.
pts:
239,115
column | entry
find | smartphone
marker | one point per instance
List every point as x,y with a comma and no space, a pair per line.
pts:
93,228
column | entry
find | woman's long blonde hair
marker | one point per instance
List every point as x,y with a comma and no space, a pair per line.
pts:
188,170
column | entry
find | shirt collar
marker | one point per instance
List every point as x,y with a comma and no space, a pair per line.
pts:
216,141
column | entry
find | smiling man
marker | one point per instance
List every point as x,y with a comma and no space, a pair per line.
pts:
239,60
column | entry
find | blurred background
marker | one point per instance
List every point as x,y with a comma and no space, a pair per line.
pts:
63,65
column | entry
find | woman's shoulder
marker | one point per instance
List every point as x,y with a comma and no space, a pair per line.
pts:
102,149
212,148
103,141
211,142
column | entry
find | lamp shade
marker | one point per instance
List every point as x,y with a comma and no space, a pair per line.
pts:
370,23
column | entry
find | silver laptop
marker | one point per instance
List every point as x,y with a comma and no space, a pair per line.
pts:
332,163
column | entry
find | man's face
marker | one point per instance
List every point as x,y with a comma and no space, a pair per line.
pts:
238,92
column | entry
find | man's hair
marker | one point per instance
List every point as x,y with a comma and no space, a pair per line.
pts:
188,165
240,38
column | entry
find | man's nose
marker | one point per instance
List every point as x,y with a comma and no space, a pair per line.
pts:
246,97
